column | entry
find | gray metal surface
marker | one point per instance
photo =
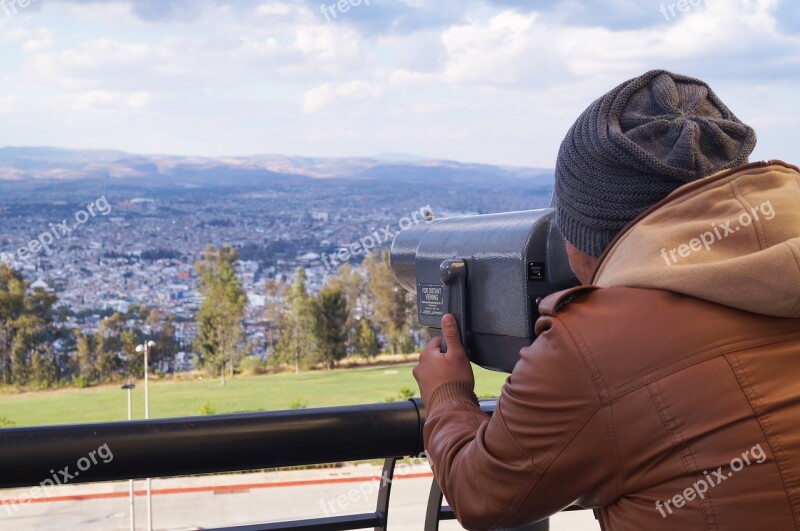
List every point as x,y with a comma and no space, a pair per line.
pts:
512,260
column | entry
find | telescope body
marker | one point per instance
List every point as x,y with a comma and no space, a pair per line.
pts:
489,271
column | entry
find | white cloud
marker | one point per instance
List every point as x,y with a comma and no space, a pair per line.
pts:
8,104
345,93
327,43
529,51
494,51
107,101
501,84
284,13
30,40
90,64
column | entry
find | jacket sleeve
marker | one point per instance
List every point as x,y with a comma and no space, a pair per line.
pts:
548,445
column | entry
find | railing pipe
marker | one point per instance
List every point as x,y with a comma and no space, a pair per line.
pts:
202,445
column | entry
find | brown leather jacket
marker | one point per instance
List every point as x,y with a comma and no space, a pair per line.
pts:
666,395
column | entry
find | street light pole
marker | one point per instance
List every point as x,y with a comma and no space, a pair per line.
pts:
145,348
129,387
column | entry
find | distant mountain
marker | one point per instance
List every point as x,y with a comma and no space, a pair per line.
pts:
42,164
398,157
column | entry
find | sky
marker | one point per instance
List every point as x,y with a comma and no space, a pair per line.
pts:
490,81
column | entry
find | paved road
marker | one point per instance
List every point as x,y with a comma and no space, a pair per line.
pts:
207,502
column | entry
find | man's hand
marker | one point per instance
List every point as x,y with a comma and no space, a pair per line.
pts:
436,368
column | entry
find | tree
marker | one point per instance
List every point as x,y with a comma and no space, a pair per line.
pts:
153,319
329,329
162,330
219,321
296,319
168,345
134,361
36,349
12,305
392,305
276,318
27,330
108,348
365,339
85,357
42,356
353,285
44,366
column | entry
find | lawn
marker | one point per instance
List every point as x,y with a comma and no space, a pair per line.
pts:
185,398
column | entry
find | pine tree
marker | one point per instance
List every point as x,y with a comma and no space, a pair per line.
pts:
85,358
295,342
108,349
352,283
330,332
161,329
277,320
44,367
366,340
26,328
219,321
12,305
168,345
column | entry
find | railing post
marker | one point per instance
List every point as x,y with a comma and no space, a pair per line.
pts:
434,511
384,492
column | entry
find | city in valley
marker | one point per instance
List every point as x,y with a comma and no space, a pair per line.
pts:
136,225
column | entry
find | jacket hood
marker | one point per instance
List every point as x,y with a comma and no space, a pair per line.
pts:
732,238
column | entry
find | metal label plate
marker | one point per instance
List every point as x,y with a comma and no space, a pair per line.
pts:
430,299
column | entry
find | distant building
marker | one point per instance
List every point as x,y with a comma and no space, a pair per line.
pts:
321,216
39,283
256,300
308,257
118,305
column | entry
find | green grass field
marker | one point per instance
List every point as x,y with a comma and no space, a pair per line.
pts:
185,398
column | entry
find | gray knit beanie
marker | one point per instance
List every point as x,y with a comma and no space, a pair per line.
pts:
634,146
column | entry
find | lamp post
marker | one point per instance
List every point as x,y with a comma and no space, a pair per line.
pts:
130,387
146,347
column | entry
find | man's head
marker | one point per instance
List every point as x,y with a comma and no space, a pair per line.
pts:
633,147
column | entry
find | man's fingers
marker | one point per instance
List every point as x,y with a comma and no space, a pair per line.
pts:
434,346
436,342
451,335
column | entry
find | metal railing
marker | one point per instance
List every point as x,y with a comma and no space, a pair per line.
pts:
228,443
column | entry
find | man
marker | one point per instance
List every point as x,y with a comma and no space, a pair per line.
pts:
665,392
